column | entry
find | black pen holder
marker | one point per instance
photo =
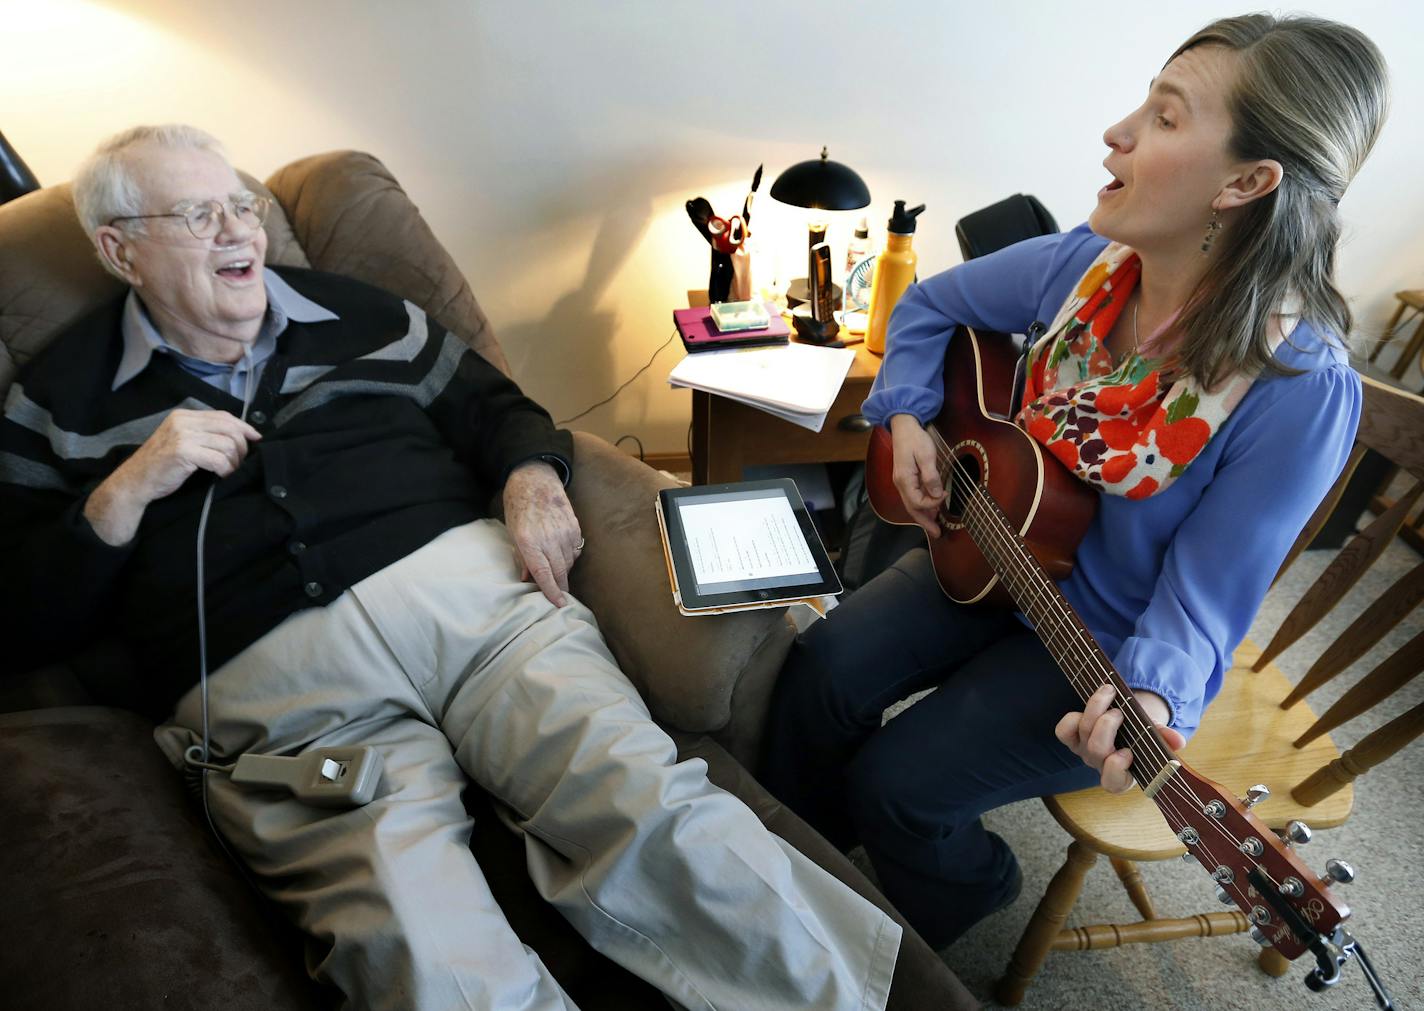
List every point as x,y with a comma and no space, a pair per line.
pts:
719,281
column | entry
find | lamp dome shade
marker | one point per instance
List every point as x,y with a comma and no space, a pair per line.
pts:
823,184
16,179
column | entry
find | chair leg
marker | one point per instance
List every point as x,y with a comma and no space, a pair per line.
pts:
1406,357
1272,962
1053,909
1131,879
1388,334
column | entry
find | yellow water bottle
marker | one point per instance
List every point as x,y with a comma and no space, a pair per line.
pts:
894,270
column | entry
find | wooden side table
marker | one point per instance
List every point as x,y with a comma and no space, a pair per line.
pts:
727,436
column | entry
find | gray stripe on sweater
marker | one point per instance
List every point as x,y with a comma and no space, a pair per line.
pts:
423,392
15,469
404,349
69,445
300,377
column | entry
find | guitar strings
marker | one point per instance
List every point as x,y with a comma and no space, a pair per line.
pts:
973,493
974,496
1172,787
986,507
1143,740
1133,721
1153,750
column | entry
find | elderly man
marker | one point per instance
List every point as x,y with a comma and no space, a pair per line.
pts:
328,452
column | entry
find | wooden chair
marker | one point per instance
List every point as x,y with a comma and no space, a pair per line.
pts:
1412,531
1408,300
1259,729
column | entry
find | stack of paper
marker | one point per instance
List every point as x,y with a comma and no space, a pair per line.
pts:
797,382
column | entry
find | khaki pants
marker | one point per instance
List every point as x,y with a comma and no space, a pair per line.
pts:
451,666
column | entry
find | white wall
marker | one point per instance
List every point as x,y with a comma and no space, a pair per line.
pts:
551,145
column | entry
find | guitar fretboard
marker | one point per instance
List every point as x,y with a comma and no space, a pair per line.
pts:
1071,645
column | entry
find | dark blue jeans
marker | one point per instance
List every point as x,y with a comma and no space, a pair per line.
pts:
912,791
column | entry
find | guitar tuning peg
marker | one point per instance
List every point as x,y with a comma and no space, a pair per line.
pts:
1224,897
1338,871
1255,794
1298,832
1259,936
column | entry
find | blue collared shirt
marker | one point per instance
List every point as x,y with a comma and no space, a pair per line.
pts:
141,338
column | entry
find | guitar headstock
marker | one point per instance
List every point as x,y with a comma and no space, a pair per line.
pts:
1240,851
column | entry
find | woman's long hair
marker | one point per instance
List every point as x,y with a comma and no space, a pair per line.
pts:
1312,95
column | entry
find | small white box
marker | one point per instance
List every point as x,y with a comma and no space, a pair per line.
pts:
730,317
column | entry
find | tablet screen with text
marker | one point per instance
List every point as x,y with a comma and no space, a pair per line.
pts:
742,544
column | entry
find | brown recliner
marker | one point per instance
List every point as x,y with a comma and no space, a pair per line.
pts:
116,896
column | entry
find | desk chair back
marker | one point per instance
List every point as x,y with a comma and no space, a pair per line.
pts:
1011,220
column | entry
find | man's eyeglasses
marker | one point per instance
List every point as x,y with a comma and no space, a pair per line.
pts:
205,218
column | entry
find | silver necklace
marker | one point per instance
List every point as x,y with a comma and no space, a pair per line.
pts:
1134,325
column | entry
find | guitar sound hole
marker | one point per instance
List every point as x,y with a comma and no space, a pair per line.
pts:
962,479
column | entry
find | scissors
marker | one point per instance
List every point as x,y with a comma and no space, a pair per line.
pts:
728,234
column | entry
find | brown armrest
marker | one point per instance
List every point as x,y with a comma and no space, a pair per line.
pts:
699,674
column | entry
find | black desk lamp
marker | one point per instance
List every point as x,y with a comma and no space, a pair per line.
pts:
820,184
16,179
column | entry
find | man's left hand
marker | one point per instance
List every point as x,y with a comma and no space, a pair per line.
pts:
545,530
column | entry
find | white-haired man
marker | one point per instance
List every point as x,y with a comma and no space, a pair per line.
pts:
333,449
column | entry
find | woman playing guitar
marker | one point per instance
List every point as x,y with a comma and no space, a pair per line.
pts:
1193,375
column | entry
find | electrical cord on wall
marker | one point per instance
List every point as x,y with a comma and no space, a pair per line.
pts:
620,389
619,441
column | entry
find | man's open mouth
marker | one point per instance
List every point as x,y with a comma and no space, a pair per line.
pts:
237,270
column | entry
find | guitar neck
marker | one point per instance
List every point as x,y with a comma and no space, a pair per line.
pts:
1077,653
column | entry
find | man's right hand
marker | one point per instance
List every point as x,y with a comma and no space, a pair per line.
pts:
185,442
916,471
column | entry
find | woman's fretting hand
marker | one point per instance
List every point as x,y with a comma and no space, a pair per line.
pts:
916,471
1092,735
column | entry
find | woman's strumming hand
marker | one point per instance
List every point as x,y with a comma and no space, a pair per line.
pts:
916,471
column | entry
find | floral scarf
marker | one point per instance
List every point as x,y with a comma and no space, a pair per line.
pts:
1113,423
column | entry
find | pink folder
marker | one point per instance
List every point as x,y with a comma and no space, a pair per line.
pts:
699,333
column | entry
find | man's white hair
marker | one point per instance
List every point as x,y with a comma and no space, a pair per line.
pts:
104,188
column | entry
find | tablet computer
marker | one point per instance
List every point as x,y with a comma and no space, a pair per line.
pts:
748,544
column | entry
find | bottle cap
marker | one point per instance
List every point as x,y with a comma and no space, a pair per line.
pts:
902,222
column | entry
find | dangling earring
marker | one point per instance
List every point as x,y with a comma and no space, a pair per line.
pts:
1213,226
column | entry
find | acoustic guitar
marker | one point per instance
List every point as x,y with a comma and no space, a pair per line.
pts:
1010,524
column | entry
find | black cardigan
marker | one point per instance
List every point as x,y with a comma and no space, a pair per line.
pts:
380,432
